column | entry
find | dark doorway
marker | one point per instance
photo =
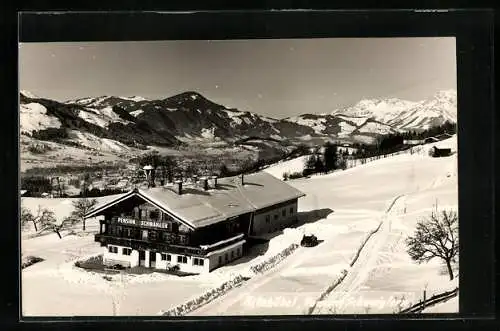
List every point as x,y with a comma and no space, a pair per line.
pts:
142,258
152,259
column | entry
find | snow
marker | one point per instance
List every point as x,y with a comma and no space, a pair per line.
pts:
33,117
28,94
94,142
357,120
450,305
102,117
235,116
268,119
247,120
318,125
93,118
405,114
294,165
346,129
373,127
134,98
343,209
137,112
277,137
306,137
208,133
388,196
363,139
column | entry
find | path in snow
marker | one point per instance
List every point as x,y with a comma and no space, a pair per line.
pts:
365,263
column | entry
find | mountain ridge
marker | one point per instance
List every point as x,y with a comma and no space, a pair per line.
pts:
189,117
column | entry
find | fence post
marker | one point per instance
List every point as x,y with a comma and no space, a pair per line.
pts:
423,305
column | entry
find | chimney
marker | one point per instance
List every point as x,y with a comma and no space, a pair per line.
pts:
242,176
150,175
178,186
204,180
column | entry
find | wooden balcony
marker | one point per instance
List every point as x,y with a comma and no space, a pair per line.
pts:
145,244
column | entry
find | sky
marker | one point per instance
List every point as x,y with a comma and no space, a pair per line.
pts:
273,77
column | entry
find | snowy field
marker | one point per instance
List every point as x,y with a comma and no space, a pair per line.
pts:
341,209
392,193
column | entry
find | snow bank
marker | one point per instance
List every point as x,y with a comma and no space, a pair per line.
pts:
205,298
137,112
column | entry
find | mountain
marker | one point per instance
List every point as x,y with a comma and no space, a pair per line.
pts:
117,123
27,94
343,127
403,114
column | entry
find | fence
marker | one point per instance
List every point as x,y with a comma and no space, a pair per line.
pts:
419,307
355,162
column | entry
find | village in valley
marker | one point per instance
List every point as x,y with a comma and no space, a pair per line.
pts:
180,206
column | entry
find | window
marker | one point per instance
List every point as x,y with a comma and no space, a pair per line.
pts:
225,257
154,215
268,218
291,210
166,236
127,251
198,261
143,214
153,235
220,259
128,232
183,239
238,252
275,217
232,254
283,212
169,257
163,256
113,249
181,259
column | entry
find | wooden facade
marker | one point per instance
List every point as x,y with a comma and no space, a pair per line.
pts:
136,232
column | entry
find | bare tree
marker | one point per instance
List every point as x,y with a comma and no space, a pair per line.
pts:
28,217
436,236
51,223
82,207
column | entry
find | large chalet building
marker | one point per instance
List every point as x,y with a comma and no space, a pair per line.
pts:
197,226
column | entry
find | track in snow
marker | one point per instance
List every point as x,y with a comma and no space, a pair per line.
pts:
364,263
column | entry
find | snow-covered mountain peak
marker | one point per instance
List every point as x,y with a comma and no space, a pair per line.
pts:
404,114
134,98
28,94
446,94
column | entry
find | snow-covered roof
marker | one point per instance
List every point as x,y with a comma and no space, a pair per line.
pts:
197,208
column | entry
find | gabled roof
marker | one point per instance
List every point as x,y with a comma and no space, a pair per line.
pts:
198,208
